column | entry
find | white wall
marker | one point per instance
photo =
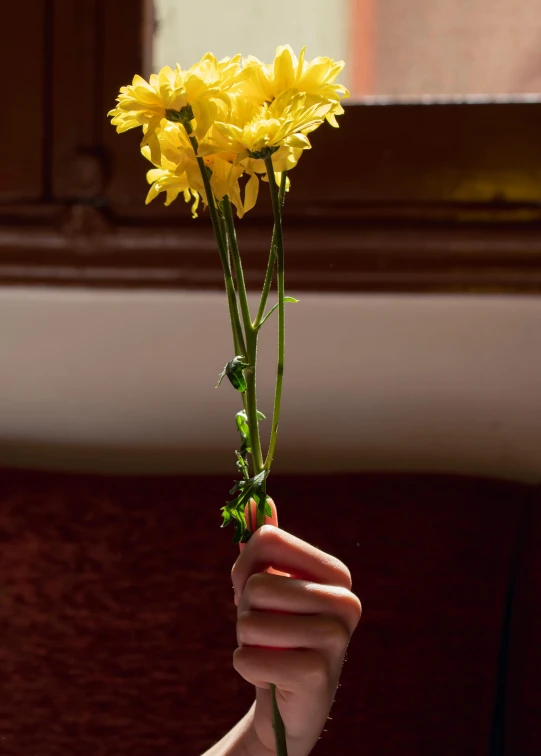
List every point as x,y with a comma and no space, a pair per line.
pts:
125,381
457,47
187,30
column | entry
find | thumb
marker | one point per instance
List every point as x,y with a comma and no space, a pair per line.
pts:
250,514
272,520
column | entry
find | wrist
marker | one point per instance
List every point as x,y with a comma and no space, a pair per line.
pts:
250,742
241,740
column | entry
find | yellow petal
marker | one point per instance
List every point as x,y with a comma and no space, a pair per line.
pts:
251,192
152,193
332,120
284,69
298,140
154,175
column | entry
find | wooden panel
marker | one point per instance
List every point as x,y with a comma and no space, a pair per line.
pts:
124,48
26,79
82,247
390,156
76,76
426,153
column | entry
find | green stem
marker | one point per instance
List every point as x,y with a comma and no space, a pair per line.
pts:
237,265
272,260
251,411
278,724
277,211
228,250
251,340
251,352
238,339
251,345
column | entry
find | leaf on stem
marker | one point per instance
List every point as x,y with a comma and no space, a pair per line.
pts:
241,418
267,316
252,488
234,371
242,465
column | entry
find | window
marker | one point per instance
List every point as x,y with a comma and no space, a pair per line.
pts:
433,183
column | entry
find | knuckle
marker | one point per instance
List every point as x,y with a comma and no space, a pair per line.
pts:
239,658
349,606
256,586
268,534
256,582
245,622
356,607
345,573
337,635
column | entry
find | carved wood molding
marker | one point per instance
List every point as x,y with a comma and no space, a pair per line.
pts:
83,245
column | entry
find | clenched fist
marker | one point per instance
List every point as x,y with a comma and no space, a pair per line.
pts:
296,614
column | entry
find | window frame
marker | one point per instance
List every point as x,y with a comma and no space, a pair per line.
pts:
414,197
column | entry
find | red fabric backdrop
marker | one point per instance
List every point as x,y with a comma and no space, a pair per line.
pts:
118,622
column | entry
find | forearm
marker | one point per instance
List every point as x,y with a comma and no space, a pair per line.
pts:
240,741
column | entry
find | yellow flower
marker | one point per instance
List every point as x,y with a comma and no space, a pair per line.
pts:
172,183
178,171
197,96
258,132
240,111
316,78
224,181
254,133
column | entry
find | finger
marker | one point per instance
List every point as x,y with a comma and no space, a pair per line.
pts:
270,593
328,635
290,670
272,547
272,520
251,517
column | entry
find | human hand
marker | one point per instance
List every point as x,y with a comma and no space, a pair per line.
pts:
296,614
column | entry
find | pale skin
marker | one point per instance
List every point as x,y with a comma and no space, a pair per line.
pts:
295,617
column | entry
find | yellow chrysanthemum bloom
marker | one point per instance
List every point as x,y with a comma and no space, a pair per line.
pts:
316,78
258,132
174,171
172,183
240,112
177,171
254,133
224,181
198,96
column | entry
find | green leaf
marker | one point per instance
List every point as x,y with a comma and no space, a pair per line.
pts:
242,465
261,500
243,428
241,418
252,488
267,316
234,371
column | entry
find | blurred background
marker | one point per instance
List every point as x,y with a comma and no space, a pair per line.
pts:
398,48
412,382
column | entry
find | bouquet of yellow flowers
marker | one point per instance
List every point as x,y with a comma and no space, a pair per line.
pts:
211,132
